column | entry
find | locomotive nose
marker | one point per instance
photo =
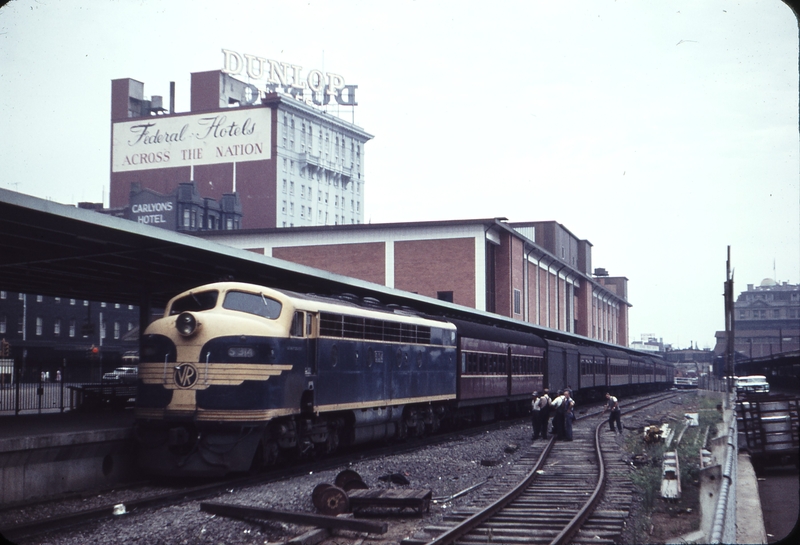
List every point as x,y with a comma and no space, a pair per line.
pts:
186,324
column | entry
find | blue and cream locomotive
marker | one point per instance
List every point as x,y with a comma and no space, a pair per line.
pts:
236,376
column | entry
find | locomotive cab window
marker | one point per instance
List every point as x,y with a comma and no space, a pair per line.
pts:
253,303
195,302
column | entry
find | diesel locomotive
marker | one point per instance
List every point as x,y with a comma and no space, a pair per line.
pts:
236,376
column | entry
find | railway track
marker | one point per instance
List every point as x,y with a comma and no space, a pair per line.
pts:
568,492
549,487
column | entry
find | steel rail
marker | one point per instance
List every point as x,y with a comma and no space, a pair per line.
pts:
487,513
574,525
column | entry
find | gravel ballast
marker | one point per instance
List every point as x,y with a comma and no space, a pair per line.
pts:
444,469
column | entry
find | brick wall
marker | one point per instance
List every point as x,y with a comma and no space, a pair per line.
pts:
365,261
429,266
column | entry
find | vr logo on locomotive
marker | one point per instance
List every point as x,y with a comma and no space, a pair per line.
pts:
185,375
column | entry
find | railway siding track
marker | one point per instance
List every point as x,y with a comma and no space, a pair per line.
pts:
568,492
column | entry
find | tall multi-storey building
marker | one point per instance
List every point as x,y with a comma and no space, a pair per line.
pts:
766,320
289,163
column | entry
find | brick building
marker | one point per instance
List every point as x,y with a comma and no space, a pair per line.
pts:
289,163
538,272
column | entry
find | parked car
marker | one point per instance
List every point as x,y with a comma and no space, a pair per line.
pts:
753,383
122,375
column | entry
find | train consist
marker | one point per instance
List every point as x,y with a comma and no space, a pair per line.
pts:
237,376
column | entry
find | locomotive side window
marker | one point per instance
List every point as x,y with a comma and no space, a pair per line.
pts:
252,303
298,322
196,302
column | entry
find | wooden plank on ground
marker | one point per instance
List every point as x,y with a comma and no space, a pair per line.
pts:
308,519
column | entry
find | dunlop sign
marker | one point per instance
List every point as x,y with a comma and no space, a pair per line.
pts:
207,139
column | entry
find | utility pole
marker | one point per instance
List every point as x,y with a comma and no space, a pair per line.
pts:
729,326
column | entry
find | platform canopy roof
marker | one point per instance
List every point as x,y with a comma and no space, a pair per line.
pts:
47,248
54,249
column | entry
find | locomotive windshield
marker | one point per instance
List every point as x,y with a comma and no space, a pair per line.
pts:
253,303
196,302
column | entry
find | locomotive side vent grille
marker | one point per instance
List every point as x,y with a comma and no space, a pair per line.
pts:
356,327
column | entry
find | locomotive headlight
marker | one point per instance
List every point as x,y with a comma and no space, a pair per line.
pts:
186,324
240,352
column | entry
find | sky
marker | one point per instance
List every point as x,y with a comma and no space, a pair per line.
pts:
662,132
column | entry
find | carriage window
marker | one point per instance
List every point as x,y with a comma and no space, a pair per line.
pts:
252,303
196,302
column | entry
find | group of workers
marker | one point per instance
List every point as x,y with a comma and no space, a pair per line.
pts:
562,409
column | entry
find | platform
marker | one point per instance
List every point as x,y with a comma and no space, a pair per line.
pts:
49,455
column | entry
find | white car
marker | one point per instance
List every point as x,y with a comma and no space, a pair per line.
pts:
754,383
122,375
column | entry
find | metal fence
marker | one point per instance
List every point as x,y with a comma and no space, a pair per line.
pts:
36,397
724,525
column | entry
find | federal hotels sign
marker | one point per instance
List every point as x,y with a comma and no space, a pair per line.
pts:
162,142
313,87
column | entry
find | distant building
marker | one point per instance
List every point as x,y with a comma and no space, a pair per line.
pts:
184,210
766,321
537,272
690,362
47,334
649,343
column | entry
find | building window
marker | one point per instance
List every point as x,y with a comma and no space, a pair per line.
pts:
39,298
3,294
39,326
3,324
445,296
57,327
85,303
517,301
116,330
72,302
72,328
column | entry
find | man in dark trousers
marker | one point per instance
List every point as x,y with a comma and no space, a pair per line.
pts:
558,419
612,404
569,415
544,412
540,405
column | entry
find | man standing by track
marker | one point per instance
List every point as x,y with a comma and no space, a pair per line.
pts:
558,417
569,415
613,404
540,415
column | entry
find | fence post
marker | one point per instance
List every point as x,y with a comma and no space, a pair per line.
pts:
40,391
16,392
